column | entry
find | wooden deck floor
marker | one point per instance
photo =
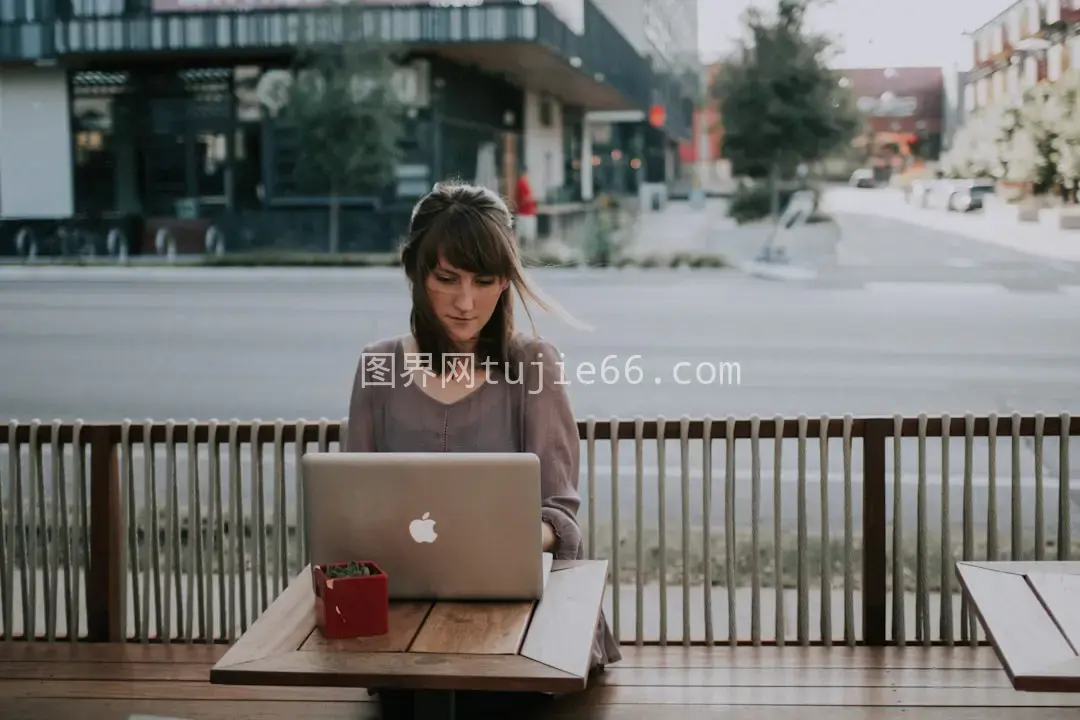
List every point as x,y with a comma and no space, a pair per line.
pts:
97,682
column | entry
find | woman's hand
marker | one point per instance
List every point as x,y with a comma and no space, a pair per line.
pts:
547,536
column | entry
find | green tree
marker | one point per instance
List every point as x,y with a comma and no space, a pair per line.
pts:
346,120
780,102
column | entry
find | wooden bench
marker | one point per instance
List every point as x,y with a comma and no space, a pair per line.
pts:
435,649
1031,613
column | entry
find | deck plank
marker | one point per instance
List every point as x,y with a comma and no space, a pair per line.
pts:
63,652
66,709
172,690
958,657
798,696
121,709
802,677
937,683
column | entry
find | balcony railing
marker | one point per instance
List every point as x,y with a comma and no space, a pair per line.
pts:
185,531
48,29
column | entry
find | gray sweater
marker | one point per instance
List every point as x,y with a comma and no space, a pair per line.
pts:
533,414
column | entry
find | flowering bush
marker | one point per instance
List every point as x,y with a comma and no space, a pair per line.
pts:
1035,141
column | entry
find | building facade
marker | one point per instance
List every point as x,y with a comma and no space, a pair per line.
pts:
632,150
144,115
1031,41
904,109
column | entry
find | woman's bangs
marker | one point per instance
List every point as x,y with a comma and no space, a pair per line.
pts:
468,242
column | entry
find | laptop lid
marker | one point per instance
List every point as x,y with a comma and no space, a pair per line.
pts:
443,526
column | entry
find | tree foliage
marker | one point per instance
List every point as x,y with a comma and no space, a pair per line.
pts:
780,103
346,119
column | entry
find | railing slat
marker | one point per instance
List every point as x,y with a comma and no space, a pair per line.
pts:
238,584
778,538
7,539
590,485
1040,519
826,554
803,627
616,537
755,522
729,529
128,513
684,496
171,530
639,530
280,522
37,552
948,561
217,547
849,540
991,491
1064,543
898,581
922,592
969,626
661,507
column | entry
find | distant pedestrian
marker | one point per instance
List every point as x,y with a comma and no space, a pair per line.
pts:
526,211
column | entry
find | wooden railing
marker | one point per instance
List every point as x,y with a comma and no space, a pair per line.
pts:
172,531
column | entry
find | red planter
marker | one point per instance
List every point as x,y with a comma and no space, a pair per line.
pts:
351,607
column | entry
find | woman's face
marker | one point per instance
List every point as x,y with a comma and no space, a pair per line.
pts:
463,302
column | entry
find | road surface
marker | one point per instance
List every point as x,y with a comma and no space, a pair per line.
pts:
897,319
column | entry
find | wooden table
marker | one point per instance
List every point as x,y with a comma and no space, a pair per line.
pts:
1031,614
434,648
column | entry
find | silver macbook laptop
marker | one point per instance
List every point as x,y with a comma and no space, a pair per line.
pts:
443,526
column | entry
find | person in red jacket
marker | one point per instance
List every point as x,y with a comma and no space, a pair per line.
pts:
526,210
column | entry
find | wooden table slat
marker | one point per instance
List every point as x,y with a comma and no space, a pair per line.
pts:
1022,567
429,671
563,629
474,628
1016,611
406,618
282,627
1060,595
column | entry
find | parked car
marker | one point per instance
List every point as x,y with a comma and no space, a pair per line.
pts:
967,195
958,195
863,178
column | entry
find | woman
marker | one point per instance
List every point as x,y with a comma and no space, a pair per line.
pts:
463,379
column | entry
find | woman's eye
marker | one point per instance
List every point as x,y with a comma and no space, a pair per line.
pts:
485,281
444,278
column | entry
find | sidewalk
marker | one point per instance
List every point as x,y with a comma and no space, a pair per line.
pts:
1032,239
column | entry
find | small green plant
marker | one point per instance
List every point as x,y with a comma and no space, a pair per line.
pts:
353,569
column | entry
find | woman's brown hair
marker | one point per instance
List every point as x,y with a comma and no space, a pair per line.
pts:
472,228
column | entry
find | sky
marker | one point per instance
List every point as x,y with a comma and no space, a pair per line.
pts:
869,33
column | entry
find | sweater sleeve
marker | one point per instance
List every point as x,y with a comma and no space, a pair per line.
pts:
551,433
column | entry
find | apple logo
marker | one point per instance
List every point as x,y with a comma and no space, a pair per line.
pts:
423,529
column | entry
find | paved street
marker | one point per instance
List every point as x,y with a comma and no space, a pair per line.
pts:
899,319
